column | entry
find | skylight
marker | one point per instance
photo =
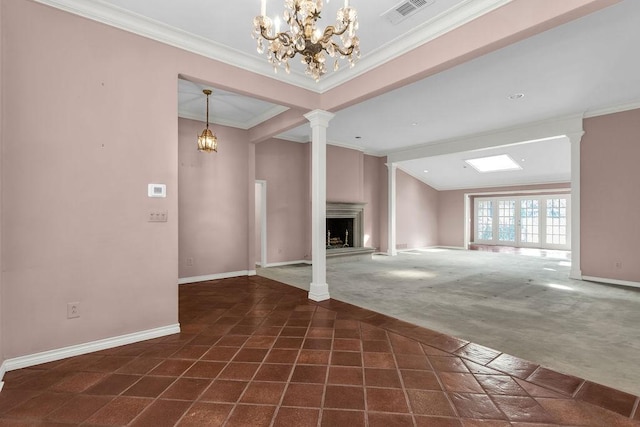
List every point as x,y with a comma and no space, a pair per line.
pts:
499,163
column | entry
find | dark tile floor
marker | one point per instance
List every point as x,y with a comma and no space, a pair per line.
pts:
254,352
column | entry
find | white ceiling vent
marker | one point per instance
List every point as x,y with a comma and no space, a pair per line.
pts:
403,10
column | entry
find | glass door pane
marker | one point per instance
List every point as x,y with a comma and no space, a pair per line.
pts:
529,221
507,221
557,221
484,220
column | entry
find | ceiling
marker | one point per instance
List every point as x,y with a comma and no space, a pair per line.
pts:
585,67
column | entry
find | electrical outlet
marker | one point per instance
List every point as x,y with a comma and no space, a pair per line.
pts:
73,310
618,265
189,262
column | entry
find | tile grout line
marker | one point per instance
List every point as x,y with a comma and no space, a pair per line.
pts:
634,411
574,395
290,376
404,388
364,377
212,380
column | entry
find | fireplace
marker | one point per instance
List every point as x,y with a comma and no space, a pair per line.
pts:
344,225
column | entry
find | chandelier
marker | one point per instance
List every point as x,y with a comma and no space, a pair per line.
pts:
304,38
207,142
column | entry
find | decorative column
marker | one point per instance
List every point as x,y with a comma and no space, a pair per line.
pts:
576,271
391,241
319,120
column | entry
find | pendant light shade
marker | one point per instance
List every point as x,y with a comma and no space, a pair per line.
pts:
207,141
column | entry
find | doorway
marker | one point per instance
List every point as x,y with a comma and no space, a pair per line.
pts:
261,223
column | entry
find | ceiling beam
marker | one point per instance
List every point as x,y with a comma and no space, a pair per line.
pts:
462,44
509,136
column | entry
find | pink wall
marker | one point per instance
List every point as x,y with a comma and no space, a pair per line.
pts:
212,201
75,214
383,183
283,165
257,241
74,219
451,209
610,176
416,213
352,177
345,175
374,196
2,358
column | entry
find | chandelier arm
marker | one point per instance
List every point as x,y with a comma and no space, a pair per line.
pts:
330,31
347,52
285,39
266,36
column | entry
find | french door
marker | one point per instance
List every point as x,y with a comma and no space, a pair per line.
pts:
537,222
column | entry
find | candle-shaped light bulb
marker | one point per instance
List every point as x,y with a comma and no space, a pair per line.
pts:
346,3
277,24
263,8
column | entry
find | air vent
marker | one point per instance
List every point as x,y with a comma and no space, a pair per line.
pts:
403,10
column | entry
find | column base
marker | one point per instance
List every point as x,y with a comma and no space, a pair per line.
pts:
393,252
319,292
575,274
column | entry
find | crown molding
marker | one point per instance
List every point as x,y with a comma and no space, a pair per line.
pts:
293,139
333,143
482,186
612,110
105,13
219,122
117,17
363,150
270,113
443,23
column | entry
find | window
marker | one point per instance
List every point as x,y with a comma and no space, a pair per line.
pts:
529,221
557,221
507,220
484,215
539,222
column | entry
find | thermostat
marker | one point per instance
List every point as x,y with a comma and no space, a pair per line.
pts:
157,190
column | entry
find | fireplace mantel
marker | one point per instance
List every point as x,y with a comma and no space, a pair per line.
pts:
349,210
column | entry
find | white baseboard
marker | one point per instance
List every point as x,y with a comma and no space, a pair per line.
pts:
206,278
3,370
283,264
90,347
612,281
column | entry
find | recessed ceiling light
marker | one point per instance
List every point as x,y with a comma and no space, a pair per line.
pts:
516,96
414,124
499,163
425,171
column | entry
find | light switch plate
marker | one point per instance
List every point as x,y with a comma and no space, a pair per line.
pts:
158,216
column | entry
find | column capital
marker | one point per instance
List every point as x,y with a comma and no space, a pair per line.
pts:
575,137
319,118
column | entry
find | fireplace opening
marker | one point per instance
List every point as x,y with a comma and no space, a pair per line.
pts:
340,233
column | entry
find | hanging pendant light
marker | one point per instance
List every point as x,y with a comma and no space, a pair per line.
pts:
207,141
